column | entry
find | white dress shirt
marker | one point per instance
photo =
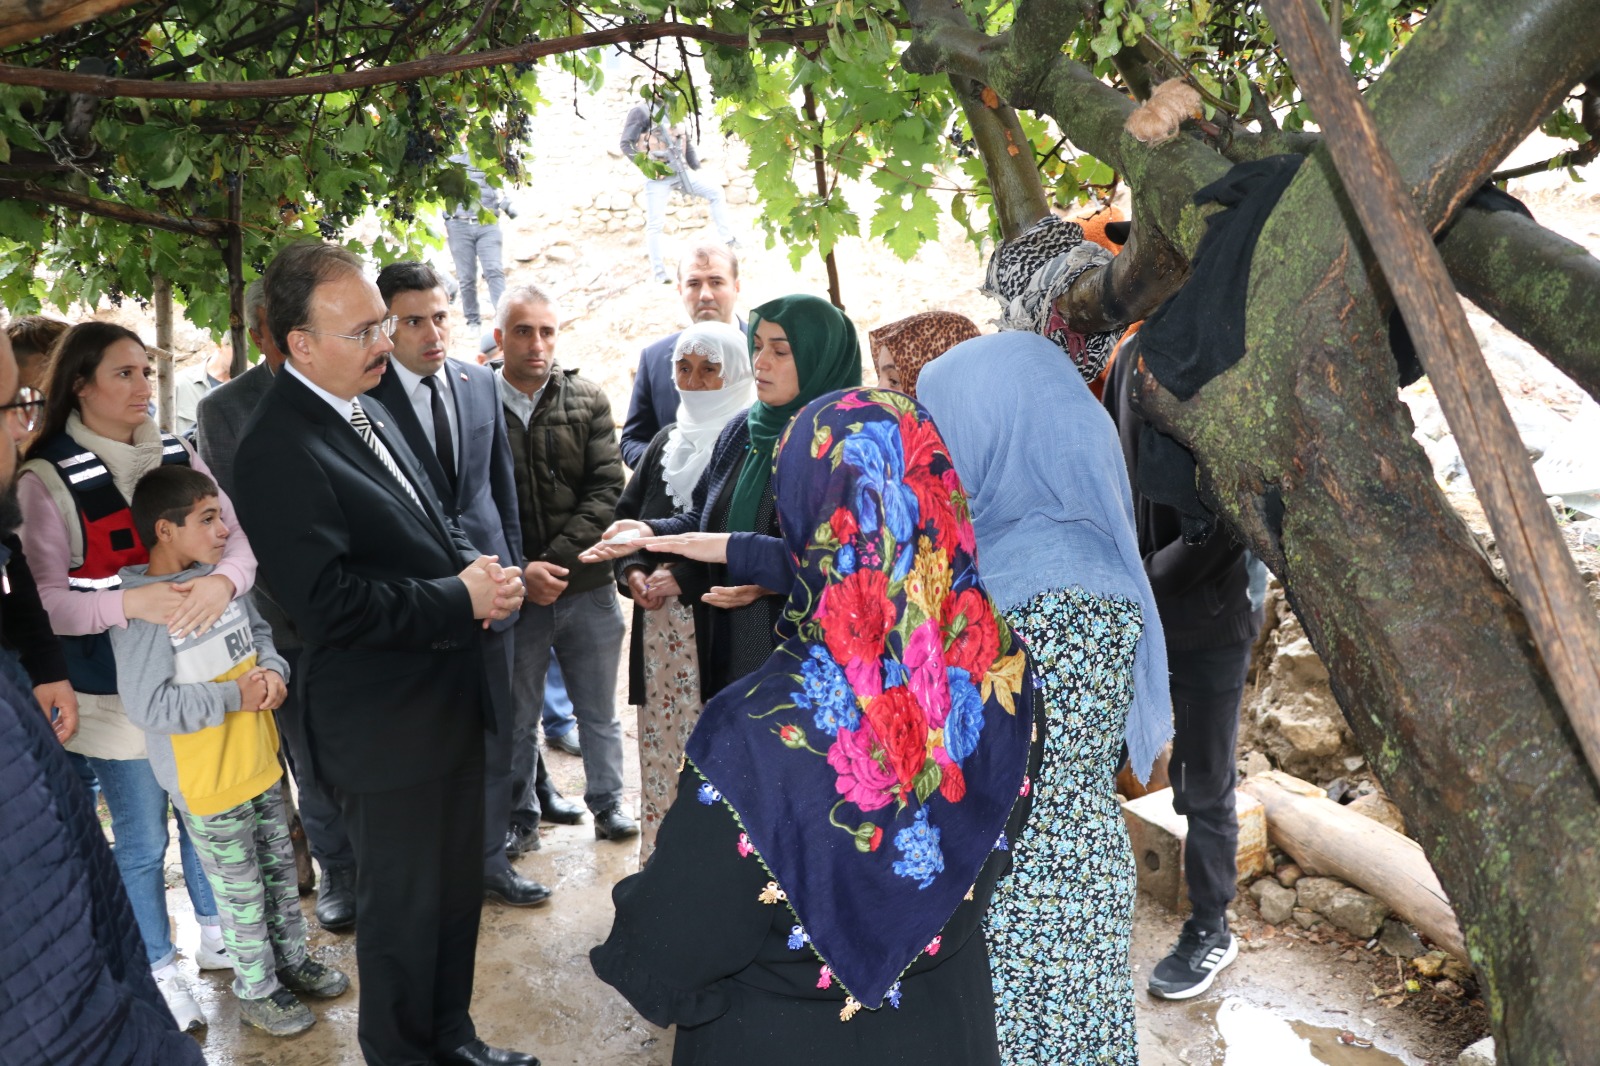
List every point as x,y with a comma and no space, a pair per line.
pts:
422,403
518,402
343,406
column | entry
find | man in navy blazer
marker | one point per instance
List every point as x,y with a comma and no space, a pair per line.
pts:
433,398
708,284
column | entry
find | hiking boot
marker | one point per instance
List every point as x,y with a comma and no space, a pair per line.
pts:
312,978
1194,963
175,990
279,1014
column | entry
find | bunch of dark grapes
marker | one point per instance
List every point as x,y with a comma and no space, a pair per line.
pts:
966,148
330,228
421,147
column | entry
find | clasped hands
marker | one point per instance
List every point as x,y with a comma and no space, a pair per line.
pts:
496,591
651,591
261,690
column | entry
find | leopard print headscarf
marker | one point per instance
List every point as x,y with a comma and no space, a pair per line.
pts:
917,341
1028,273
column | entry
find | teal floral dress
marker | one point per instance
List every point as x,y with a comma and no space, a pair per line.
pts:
1059,926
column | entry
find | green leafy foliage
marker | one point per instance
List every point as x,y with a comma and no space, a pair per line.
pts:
312,165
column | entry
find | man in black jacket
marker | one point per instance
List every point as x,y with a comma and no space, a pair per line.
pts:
569,476
449,413
1202,593
391,601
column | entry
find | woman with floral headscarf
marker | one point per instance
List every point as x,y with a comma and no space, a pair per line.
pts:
845,810
711,369
801,347
1053,515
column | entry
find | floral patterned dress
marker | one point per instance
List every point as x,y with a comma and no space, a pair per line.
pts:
666,718
1059,926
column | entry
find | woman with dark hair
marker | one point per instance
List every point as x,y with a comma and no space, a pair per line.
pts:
97,439
819,883
801,347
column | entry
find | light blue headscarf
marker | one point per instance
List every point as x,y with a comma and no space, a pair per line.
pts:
1043,470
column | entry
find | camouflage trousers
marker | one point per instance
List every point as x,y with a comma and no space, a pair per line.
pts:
249,862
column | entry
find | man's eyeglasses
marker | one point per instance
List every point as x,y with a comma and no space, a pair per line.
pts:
26,408
366,338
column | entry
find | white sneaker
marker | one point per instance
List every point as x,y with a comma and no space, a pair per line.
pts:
175,990
213,955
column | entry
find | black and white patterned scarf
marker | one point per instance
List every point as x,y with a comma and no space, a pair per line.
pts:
1028,273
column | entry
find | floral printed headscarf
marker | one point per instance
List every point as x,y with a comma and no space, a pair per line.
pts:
874,758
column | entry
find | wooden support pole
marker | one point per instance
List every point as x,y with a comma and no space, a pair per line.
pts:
233,255
1559,611
1325,838
166,382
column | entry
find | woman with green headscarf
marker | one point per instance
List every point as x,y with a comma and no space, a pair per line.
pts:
801,347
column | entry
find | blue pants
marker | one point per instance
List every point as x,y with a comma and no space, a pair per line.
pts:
557,716
139,822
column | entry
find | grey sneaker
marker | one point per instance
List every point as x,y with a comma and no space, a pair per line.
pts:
279,1014
312,978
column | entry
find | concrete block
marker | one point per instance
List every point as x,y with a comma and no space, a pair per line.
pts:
1158,833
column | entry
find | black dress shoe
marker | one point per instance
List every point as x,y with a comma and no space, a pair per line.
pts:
336,899
554,807
477,1053
514,890
521,840
612,824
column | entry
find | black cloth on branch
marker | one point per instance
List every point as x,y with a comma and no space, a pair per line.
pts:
1488,198
1199,332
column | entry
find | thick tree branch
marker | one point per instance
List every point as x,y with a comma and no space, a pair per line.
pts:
1019,197
1476,78
27,190
1535,282
23,20
432,66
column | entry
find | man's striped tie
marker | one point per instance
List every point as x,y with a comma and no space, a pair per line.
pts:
358,420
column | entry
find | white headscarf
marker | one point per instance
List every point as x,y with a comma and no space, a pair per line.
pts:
701,415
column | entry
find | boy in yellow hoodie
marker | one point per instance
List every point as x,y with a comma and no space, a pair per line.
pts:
204,703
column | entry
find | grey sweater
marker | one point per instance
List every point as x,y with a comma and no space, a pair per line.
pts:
207,752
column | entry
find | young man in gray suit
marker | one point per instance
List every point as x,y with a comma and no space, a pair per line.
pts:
219,421
449,412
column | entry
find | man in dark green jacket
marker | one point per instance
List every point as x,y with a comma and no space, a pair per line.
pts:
569,474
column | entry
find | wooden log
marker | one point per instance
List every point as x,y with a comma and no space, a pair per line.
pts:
166,383
1326,838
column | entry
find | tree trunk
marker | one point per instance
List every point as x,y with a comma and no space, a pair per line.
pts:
1304,449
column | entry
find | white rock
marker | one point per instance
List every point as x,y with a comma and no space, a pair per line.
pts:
1479,1054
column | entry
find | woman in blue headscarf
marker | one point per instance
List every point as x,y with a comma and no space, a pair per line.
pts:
1053,513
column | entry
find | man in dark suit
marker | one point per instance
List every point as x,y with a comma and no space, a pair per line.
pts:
390,599
449,413
219,419
708,284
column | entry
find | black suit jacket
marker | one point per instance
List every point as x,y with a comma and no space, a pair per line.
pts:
392,674
484,501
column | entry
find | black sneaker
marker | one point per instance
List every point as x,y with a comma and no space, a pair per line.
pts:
1194,963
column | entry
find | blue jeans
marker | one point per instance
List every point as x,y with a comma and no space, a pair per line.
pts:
471,243
585,629
557,717
656,191
139,822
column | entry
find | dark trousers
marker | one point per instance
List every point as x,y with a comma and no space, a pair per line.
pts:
419,893
318,800
497,649
1206,689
